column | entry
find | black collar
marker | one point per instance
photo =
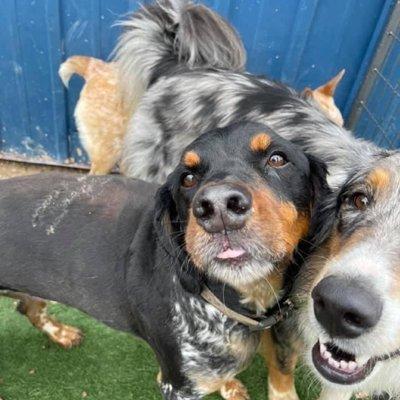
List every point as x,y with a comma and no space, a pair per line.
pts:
228,301
272,316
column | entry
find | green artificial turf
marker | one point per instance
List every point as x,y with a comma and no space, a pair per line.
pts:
109,365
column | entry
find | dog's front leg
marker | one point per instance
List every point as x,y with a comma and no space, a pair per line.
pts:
170,393
328,393
280,357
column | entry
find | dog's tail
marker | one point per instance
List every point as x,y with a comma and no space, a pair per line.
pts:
80,65
168,33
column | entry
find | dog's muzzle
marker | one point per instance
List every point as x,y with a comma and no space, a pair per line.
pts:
346,307
222,207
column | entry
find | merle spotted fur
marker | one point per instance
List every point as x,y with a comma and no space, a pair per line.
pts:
183,85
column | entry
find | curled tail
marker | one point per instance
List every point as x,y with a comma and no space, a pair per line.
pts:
80,65
169,33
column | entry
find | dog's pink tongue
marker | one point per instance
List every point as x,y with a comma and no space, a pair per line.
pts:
230,253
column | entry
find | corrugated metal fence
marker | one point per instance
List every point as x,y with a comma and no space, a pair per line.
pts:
301,42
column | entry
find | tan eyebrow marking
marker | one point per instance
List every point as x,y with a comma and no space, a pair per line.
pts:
191,159
379,178
260,142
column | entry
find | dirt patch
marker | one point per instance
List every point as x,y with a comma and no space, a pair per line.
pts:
9,169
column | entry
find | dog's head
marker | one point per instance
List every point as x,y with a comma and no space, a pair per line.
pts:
352,316
239,202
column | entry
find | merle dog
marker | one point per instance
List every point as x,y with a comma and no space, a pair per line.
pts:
183,85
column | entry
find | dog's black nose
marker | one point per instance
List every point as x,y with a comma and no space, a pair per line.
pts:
222,206
346,307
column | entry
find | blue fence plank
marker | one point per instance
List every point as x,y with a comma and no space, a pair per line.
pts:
39,37
14,115
301,29
38,125
110,14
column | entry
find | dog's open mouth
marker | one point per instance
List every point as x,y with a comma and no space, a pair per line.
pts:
338,366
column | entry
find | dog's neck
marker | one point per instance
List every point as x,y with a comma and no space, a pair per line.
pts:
258,306
265,293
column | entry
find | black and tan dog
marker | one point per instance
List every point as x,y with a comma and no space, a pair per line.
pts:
228,220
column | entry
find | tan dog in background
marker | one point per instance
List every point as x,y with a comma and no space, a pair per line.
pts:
99,114
324,97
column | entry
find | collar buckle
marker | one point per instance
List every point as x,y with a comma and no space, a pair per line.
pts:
280,315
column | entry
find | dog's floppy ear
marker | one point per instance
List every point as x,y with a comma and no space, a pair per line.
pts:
170,232
323,211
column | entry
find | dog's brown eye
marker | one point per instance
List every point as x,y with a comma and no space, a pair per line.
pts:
277,160
361,201
189,181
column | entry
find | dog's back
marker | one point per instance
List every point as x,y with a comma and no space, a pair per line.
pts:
82,227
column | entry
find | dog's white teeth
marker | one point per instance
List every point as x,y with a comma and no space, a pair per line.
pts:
352,366
326,355
333,363
344,365
322,348
362,360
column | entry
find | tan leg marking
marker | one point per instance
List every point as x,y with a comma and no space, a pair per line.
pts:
234,390
280,383
35,310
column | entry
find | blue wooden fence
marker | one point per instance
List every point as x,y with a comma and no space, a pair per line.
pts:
301,42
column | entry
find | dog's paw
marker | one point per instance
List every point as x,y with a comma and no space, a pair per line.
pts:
64,335
234,390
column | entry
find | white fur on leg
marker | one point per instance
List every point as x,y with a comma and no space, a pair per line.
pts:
274,394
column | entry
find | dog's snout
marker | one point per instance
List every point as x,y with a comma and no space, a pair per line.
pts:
222,206
346,308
